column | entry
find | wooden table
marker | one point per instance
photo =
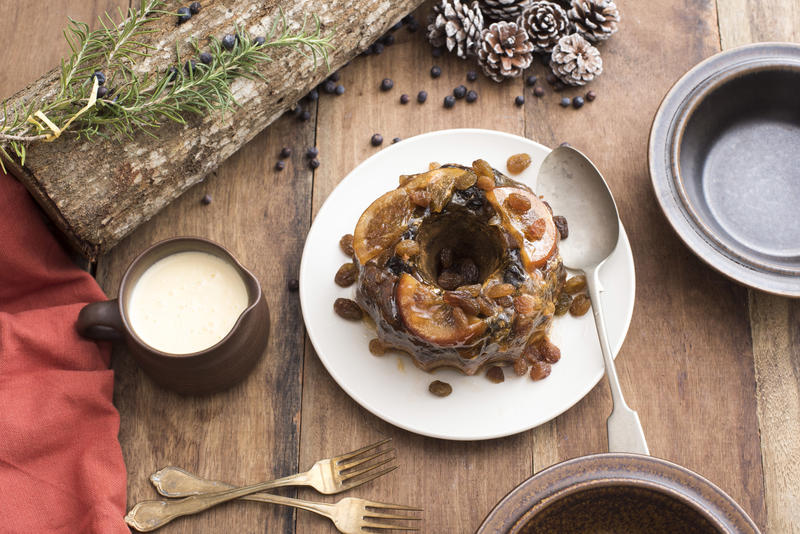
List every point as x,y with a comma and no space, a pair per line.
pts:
711,366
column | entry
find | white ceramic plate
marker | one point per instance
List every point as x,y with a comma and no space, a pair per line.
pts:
391,387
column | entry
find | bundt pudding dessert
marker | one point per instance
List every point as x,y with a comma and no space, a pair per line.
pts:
459,267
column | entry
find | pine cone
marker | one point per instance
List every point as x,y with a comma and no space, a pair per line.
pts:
575,61
505,10
545,23
504,51
456,25
596,20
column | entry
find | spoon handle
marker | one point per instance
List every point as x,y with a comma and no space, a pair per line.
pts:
625,432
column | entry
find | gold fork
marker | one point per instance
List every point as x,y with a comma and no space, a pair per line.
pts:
350,515
328,476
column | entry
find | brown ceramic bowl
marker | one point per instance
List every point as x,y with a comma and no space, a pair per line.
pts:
213,369
723,160
617,493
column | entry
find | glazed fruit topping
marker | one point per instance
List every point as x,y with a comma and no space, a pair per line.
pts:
383,222
534,252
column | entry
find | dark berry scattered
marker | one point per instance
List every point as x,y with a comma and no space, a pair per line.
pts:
305,116
472,96
377,49
329,87
412,27
377,140
519,100
279,165
388,39
206,58
312,152
314,163
538,91
577,102
294,284
335,76
551,78
313,95
397,26
259,41
228,42
408,19
184,15
590,96
565,102
404,98
206,200
102,92
339,90
435,71
460,91
368,51
436,52
396,140
531,80
190,66
101,78
286,152
472,76
172,73
422,96
449,101
195,7
297,110
387,84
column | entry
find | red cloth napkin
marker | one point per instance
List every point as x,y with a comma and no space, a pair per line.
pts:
61,466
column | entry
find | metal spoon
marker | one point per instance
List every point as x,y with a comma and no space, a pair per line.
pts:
576,189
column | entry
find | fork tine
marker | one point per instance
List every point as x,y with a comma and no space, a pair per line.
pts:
360,461
349,484
381,515
372,524
353,474
378,505
362,450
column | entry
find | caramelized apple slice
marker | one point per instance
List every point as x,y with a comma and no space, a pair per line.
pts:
383,222
534,228
427,316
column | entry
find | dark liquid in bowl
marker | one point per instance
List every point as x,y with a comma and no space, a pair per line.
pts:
618,510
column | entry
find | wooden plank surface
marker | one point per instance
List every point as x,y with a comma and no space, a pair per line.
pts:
686,366
775,321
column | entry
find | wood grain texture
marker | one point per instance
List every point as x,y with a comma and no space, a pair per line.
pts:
98,191
775,321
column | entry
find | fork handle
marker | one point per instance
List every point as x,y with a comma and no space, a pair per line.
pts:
176,482
150,515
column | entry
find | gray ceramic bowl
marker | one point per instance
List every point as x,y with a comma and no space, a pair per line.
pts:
613,492
724,159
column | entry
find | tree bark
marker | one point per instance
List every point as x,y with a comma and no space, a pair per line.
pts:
100,190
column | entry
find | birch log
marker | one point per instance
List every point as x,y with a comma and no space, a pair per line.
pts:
98,191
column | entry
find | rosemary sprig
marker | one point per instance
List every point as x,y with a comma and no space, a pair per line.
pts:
143,102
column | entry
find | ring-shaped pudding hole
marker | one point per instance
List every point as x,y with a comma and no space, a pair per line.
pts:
466,236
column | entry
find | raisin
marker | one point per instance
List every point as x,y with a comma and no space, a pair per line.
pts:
450,280
347,309
377,347
406,249
420,198
466,180
525,304
505,302
548,352
531,353
520,366
518,163
473,290
495,374
522,325
563,304
346,244
499,290
535,230
487,306
463,301
561,224
485,183
440,389
446,258
580,305
468,270
482,168
346,275
460,319
576,284
540,370
518,203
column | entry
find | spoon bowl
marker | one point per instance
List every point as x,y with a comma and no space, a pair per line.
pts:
576,189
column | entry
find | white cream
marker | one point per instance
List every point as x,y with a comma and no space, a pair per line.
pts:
186,302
